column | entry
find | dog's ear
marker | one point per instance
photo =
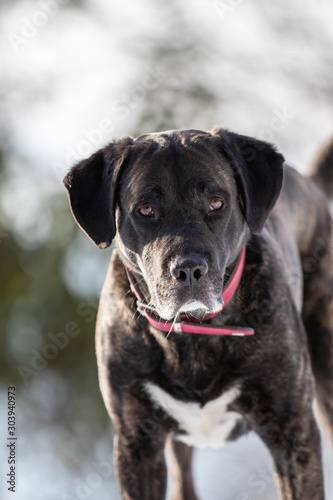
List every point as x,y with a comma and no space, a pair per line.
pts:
258,170
91,187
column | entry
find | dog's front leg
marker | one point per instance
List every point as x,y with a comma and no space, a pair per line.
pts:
181,470
297,460
140,467
299,469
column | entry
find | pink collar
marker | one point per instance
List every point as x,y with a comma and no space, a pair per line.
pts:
179,326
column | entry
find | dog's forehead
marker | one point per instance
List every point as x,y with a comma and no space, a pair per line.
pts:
181,156
166,137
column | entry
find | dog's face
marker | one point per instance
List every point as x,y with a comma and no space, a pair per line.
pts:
178,221
181,205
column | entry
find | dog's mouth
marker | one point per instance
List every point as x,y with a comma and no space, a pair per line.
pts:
190,308
194,310
205,301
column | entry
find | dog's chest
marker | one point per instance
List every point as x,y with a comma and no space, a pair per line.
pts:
210,425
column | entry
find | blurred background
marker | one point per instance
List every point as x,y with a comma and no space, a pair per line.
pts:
74,75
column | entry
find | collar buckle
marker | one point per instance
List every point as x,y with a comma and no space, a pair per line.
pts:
140,307
177,326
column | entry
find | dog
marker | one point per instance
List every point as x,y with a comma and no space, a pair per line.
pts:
216,317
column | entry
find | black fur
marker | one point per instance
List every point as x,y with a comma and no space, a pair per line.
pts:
285,294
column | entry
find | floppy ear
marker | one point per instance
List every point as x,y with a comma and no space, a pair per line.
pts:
91,187
258,170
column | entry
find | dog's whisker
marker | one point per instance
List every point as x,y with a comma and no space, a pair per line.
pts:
130,290
172,325
240,298
139,281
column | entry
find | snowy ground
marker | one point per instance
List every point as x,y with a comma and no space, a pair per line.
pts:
242,470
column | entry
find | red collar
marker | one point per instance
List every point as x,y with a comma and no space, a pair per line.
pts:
179,326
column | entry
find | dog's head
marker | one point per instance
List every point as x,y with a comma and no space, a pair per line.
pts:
180,204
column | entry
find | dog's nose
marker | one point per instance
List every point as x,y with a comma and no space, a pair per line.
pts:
189,271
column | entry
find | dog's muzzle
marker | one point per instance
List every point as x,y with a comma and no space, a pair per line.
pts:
188,271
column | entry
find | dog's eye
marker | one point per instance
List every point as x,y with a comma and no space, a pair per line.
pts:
215,204
146,210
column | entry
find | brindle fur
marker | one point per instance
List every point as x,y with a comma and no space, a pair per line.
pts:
285,294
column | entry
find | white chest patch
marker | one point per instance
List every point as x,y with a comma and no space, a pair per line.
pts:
207,426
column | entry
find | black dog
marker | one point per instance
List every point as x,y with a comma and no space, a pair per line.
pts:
245,294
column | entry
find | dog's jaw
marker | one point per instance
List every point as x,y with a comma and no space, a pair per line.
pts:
195,305
196,308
